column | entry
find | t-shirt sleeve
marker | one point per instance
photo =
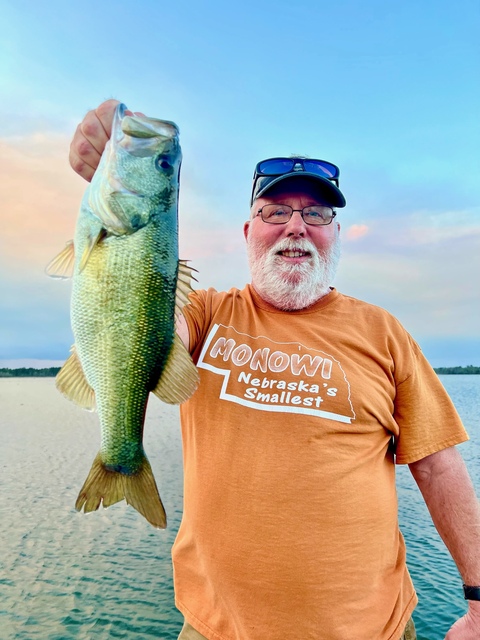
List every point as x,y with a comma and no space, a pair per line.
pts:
427,419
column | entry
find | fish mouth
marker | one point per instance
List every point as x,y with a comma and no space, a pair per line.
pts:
144,137
141,136
143,127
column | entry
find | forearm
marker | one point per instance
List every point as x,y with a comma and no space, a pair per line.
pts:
182,330
449,495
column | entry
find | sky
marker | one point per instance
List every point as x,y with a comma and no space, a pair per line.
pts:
389,91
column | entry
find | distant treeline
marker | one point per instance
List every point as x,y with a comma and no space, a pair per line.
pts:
453,370
29,372
52,371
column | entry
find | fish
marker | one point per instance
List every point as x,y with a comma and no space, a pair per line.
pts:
128,288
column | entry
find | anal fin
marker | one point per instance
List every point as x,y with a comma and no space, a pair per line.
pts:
72,383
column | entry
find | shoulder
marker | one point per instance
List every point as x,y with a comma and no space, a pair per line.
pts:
204,304
207,306
357,303
212,298
367,310
376,327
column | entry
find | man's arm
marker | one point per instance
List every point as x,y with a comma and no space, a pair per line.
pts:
182,330
449,495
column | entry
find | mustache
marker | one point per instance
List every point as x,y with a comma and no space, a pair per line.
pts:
289,244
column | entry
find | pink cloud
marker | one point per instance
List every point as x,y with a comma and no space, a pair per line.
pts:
357,231
39,199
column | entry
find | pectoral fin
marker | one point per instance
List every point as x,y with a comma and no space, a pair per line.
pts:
72,383
92,241
62,265
179,378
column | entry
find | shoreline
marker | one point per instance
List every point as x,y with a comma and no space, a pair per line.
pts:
51,372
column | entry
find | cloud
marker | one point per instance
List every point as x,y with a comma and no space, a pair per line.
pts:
420,263
39,198
356,231
444,226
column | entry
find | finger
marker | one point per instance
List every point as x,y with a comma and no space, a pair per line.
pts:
84,149
92,130
83,157
105,113
82,168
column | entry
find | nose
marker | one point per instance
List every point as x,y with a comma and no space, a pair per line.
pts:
295,226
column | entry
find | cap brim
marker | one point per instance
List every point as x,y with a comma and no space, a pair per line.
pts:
333,195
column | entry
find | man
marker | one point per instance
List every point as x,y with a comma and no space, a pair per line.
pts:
306,399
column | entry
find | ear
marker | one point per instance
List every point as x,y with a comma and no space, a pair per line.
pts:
246,227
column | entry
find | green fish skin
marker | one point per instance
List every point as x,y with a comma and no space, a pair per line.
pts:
128,287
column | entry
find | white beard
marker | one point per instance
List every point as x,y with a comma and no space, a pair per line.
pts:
292,286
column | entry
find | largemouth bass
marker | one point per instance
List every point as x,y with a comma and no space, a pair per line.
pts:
128,287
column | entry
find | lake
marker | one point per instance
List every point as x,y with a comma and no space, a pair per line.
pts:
65,575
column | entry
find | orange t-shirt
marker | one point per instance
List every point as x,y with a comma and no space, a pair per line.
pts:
290,525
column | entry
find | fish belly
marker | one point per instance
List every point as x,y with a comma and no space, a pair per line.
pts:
123,322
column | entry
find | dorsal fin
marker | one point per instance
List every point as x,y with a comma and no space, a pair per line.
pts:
184,286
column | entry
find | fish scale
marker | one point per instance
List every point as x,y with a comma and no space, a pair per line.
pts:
128,285
132,336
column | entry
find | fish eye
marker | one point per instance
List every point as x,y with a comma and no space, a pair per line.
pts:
162,163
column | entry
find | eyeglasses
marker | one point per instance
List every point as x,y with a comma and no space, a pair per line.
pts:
316,215
281,166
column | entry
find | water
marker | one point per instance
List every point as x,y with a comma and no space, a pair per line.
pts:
437,581
65,575
69,575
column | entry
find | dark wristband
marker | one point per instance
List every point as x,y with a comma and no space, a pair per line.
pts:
471,593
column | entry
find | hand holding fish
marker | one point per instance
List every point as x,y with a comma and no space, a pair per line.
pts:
91,136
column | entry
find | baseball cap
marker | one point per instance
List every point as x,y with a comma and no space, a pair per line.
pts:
274,170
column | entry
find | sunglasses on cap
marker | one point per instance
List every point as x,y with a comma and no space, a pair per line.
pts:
281,166
274,170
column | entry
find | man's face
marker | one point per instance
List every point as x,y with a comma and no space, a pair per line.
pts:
292,264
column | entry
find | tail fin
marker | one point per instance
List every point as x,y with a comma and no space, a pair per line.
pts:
107,487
